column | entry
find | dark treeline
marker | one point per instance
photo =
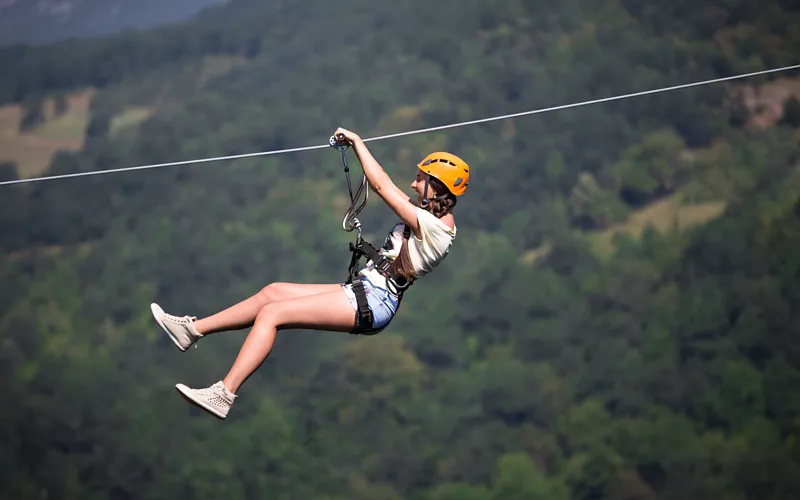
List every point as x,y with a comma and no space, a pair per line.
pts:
49,21
535,363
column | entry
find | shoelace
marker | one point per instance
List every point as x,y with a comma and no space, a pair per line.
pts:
208,392
185,320
217,395
181,320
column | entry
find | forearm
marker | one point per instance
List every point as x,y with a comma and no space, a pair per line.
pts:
379,180
377,177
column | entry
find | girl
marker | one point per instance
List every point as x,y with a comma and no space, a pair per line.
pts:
412,249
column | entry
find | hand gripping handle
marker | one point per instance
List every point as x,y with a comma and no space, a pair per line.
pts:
339,142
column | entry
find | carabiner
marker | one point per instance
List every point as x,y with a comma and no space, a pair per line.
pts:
350,222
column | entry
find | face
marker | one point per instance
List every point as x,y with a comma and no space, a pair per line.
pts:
419,186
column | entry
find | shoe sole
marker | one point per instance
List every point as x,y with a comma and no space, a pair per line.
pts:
157,313
184,391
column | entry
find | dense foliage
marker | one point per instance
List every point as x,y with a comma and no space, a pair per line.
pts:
47,21
531,365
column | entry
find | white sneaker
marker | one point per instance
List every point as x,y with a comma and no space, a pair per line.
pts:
180,329
216,399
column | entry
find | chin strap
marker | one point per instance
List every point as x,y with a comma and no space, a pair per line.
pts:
425,201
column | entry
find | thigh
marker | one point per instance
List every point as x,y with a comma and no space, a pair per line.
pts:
330,311
285,291
382,304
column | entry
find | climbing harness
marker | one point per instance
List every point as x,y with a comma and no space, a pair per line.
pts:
361,248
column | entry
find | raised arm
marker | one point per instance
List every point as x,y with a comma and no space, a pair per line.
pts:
382,184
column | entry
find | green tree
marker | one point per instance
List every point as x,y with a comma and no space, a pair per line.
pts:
516,478
8,171
61,104
33,117
592,207
459,491
791,112
652,169
98,128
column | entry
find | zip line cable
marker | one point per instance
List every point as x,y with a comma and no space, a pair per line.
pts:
410,132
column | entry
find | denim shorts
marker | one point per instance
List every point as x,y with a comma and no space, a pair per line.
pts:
382,303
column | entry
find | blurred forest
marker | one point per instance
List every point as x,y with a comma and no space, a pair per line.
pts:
617,319
45,21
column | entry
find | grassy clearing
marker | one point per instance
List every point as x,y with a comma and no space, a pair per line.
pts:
530,257
664,215
218,65
130,118
30,159
32,151
68,127
766,101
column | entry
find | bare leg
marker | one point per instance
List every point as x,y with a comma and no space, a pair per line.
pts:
243,314
329,311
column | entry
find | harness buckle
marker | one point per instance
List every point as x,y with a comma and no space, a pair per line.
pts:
383,265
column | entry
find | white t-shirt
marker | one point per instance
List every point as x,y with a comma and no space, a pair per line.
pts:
426,253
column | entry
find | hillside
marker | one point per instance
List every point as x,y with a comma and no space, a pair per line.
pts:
615,321
47,21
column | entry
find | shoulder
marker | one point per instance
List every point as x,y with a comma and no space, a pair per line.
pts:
449,221
429,223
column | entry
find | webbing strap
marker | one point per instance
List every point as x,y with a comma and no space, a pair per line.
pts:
363,314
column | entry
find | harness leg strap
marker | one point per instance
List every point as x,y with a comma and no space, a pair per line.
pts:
363,315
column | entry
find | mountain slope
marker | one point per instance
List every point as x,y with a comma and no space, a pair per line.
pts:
46,21
665,368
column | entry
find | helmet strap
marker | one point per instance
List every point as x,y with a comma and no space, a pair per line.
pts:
425,200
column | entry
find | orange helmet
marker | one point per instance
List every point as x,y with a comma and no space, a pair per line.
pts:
448,168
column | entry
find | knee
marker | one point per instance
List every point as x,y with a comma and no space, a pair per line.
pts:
267,313
272,292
